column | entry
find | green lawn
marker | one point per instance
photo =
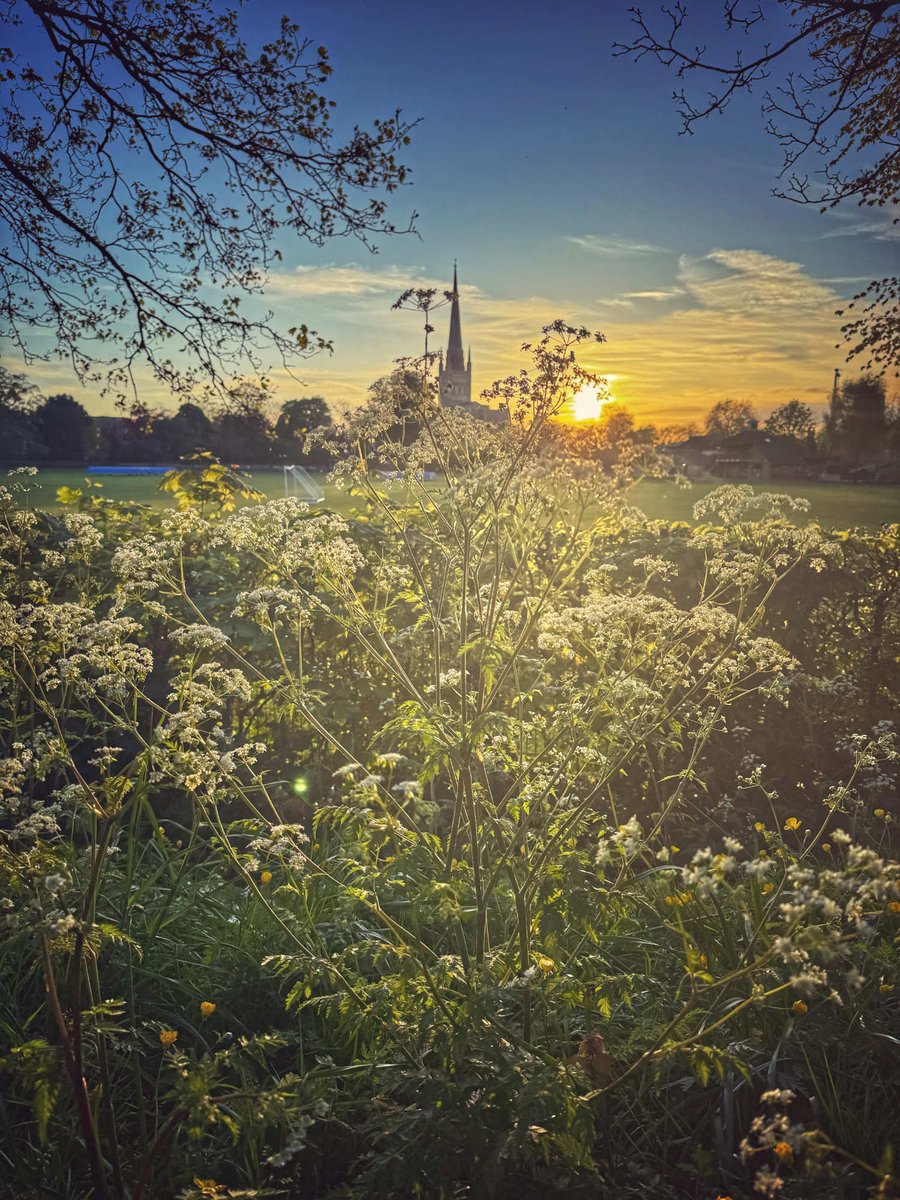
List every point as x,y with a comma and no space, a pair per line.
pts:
836,505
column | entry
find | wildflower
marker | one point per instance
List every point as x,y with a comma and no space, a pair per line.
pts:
894,906
800,1007
53,883
879,812
390,759
347,769
792,823
545,965
826,846
265,878
207,1008
767,888
885,989
783,1151
760,827
168,1037
62,925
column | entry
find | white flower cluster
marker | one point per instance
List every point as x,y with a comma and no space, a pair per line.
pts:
286,538
280,843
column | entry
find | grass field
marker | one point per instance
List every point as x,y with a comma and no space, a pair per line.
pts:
835,505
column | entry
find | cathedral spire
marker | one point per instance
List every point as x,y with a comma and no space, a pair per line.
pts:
455,359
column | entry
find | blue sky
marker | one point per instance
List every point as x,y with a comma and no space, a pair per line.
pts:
555,174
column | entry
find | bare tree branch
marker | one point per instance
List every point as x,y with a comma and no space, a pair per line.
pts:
145,178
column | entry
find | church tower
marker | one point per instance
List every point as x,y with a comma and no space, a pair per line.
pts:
454,373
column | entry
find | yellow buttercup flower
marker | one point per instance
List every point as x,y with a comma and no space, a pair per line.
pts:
800,1007
879,812
759,827
207,1008
826,846
885,989
168,1037
792,823
544,964
265,878
767,888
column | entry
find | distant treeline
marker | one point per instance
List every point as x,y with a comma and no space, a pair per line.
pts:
860,430
244,428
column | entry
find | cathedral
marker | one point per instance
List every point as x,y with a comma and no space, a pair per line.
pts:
455,371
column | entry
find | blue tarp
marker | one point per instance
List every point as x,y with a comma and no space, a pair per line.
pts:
138,470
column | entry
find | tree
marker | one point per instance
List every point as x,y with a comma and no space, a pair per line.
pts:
148,159
793,419
728,417
297,420
189,431
670,435
857,428
243,428
615,425
837,111
20,439
64,425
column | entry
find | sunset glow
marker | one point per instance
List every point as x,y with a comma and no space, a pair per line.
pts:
587,403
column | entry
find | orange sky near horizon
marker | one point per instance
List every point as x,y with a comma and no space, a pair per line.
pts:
734,323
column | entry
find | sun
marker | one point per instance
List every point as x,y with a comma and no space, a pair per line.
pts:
587,403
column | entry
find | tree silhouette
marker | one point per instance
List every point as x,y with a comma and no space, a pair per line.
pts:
296,421
20,400
793,419
64,426
728,417
148,159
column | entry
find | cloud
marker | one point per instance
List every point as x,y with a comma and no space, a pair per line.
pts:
751,284
617,302
668,294
594,243
881,224
350,280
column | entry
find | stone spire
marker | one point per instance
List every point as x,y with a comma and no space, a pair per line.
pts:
454,373
455,358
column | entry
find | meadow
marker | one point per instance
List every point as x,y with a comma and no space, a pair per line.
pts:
494,841
839,506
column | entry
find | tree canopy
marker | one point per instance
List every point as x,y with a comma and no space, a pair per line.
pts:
727,417
793,419
149,157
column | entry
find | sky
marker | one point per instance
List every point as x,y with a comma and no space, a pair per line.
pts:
554,173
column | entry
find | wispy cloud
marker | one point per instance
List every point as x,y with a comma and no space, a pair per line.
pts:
352,280
616,302
667,294
881,224
596,243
